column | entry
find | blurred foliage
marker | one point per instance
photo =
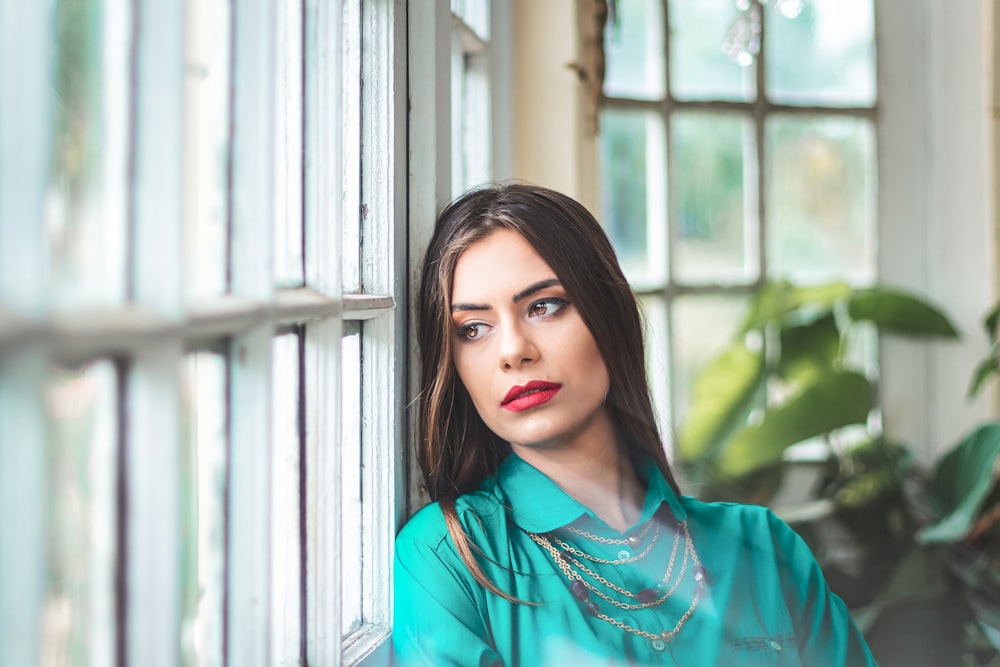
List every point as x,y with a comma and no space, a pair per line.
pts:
915,554
990,366
790,375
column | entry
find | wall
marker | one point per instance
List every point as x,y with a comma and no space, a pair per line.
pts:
937,208
553,143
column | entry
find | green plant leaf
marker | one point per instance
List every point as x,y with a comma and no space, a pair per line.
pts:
991,321
784,302
835,400
960,483
809,350
768,303
721,398
987,368
900,312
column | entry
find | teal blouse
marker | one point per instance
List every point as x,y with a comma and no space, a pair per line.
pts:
765,603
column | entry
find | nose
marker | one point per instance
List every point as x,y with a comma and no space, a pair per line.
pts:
516,347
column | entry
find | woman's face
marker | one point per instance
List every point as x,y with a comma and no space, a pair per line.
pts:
522,350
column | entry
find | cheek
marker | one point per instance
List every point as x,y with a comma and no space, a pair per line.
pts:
588,357
469,372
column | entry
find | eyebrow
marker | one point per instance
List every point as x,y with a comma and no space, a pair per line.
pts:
520,296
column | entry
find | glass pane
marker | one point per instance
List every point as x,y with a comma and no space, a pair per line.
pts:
352,212
206,136
821,199
699,65
654,312
633,45
86,200
286,528
470,117
352,517
633,192
288,267
475,14
716,234
824,55
203,498
78,622
701,327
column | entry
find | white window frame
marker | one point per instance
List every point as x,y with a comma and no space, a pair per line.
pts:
460,131
936,210
151,334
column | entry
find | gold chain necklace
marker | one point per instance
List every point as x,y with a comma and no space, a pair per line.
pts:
631,540
581,588
621,561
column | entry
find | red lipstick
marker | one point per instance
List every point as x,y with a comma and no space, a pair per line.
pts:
530,395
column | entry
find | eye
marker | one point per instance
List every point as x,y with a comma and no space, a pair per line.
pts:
547,307
472,331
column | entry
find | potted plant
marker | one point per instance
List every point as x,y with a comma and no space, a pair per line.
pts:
902,546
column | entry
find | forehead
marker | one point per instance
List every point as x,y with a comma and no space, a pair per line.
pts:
503,259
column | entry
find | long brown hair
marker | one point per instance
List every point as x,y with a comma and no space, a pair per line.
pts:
456,450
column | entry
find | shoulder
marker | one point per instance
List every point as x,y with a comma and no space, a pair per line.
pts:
752,525
476,511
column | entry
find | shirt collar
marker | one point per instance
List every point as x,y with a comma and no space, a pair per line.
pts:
537,504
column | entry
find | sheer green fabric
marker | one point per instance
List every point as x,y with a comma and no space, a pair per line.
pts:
766,602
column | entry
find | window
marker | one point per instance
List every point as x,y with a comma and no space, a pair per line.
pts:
737,146
470,94
202,330
458,83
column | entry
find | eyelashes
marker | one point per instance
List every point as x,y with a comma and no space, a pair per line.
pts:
471,331
547,307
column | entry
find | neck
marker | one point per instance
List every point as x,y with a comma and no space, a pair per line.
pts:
598,474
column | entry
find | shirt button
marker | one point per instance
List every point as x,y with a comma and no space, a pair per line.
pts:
775,645
624,554
658,644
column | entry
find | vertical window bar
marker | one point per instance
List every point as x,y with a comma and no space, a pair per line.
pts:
203,504
458,118
288,145
153,506
207,99
383,183
324,133
349,158
23,505
253,150
325,152
249,544
25,77
153,433
323,499
285,481
429,87
248,585
759,118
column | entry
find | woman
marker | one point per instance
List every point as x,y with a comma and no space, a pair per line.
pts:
558,535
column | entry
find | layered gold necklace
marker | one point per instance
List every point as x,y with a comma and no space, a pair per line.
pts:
584,583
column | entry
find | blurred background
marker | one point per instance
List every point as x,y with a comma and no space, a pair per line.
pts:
211,219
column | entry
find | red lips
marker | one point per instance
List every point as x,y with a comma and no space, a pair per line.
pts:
530,395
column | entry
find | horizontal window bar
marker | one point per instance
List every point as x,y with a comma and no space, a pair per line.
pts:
363,641
753,106
85,333
365,306
472,42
